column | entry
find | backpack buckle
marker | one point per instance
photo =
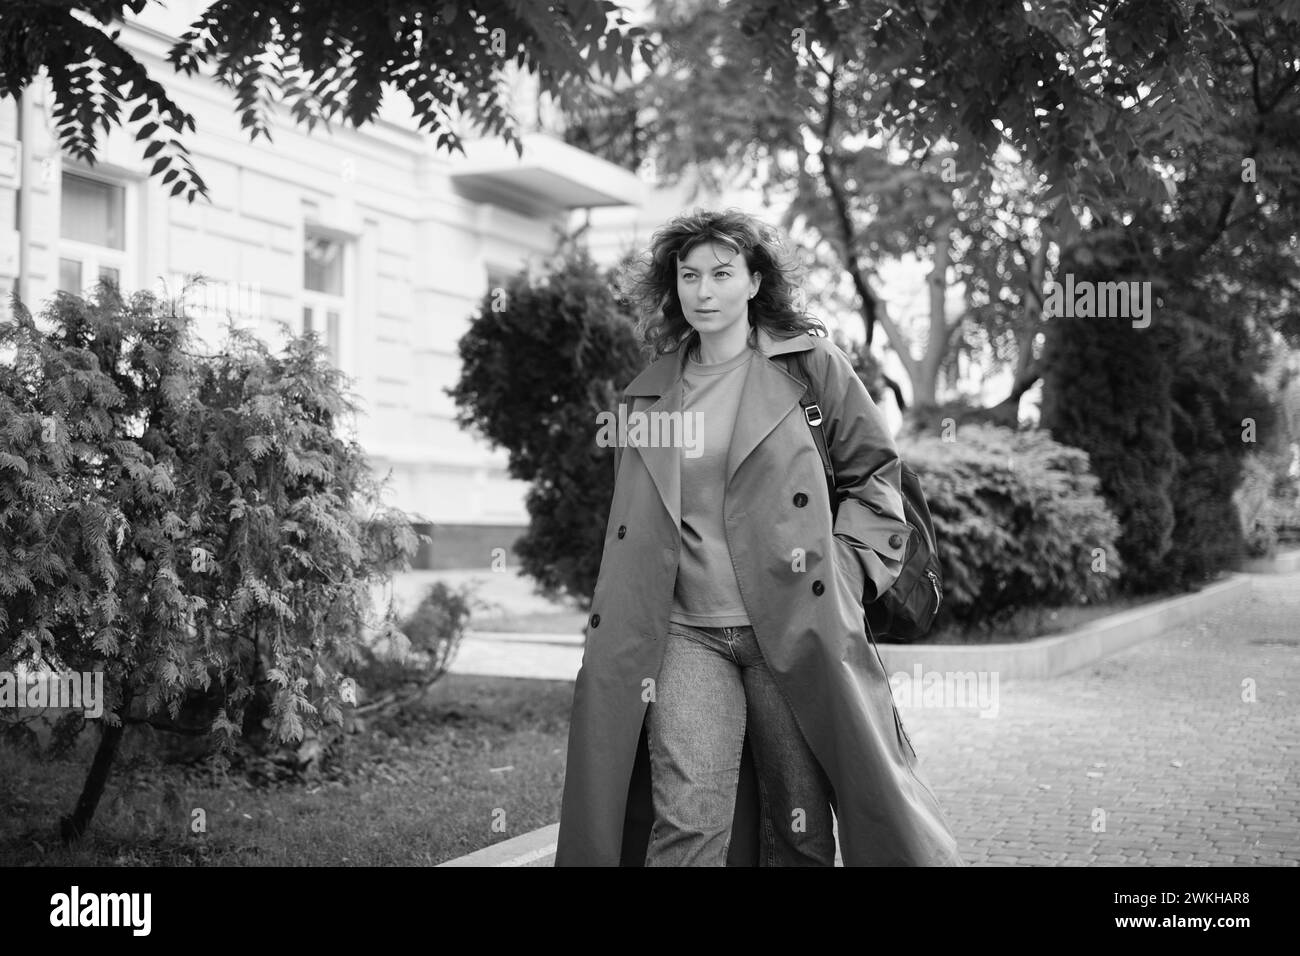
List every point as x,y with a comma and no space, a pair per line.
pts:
809,411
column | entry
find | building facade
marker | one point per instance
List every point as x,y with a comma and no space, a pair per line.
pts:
381,244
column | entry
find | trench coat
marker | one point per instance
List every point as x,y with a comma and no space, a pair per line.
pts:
805,606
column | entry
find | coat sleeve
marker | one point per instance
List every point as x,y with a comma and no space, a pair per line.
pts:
868,472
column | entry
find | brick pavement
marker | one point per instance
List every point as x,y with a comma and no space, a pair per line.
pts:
1156,737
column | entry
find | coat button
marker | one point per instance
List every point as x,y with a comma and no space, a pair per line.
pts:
595,620
622,530
895,540
800,500
818,587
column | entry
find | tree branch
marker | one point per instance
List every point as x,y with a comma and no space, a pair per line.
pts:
873,308
1026,379
1254,74
894,387
840,208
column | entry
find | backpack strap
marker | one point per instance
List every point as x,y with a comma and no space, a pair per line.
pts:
812,413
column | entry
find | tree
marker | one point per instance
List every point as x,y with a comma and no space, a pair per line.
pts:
993,244
1161,144
816,104
182,523
1225,271
323,60
1107,390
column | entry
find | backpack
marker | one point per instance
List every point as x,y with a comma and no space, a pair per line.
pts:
905,611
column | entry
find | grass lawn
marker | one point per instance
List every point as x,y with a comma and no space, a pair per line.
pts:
480,760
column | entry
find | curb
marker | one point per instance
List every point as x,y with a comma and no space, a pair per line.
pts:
1283,563
1052,656
532,849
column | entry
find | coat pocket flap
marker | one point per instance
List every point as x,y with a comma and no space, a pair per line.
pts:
886,536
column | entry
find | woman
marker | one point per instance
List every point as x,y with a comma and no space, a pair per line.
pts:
729,698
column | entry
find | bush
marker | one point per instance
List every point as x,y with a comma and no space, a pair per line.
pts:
414,653
1216,393
539,362
1258,511
1160,409
1268,497
1107,391
1018,519
190,525
1267,504
1286,517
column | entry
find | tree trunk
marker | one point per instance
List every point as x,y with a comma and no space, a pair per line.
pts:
73,827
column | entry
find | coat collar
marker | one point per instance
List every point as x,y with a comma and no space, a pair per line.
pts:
667,369
769,394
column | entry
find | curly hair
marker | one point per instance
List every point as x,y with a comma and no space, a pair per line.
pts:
661,325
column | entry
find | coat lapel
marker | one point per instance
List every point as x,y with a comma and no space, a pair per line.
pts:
663,462
767,397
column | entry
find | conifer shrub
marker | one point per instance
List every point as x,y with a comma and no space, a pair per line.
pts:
186,524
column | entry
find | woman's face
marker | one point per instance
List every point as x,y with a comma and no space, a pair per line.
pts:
714,285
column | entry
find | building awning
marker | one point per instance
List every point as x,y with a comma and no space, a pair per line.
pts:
550,174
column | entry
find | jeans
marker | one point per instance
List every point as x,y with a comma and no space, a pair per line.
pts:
714,685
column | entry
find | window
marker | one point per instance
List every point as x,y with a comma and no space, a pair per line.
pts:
93,212
92,232
324,283
329,334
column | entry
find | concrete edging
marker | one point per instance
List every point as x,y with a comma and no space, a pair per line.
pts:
1051,656
531,849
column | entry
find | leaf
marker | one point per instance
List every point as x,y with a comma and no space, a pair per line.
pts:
13,462
257,445
161,481
222,725
105,641
290,727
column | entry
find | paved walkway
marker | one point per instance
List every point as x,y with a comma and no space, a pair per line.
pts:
1149,757
1157,737
548,656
